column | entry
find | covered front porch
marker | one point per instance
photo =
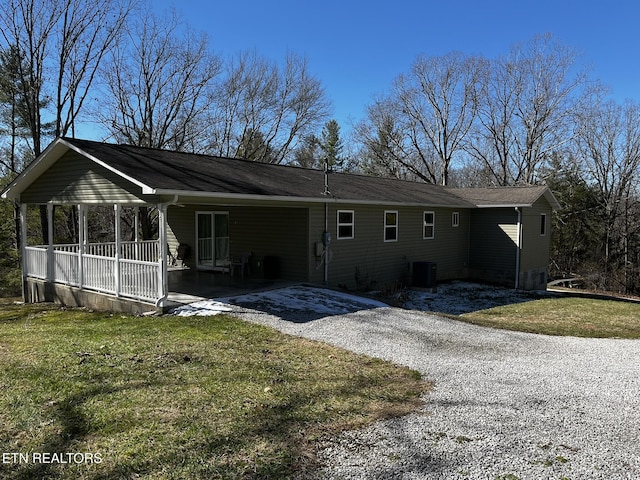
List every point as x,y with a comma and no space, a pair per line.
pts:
105,263
93,257
86,211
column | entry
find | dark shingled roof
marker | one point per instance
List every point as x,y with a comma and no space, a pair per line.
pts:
183,173
505,196
164,172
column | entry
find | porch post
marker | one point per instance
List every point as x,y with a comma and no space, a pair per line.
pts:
50,263
162,254
85,228
81,240
23,247
116,209
136,234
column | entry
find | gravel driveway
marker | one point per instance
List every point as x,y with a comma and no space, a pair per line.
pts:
506,405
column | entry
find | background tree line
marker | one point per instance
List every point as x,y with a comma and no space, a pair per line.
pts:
146,78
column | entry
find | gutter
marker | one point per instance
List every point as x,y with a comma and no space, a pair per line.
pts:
504,205
293,199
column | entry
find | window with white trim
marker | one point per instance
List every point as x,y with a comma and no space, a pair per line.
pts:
345,224
455,219
543,224
390,226
429,225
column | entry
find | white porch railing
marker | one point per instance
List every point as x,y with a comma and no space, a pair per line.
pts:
65,268
139,279
145,251
35,262
136,275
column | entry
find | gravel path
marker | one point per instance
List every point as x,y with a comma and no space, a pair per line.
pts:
506,405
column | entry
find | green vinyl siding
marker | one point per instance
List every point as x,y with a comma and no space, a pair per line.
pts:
367,260
534,257
76,179
493,248
535,247
279,232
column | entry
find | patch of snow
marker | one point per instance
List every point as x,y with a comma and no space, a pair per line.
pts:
457,298
297,298
202,308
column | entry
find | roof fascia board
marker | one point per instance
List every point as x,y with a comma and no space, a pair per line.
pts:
277,198
551,198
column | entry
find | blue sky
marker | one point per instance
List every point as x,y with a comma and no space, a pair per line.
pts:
356,47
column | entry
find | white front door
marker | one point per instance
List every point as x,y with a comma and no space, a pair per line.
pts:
212,240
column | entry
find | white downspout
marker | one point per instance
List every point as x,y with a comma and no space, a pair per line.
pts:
518,247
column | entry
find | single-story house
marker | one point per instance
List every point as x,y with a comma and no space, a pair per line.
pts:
298,224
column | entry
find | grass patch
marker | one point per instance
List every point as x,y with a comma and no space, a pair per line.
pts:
174,397
569,316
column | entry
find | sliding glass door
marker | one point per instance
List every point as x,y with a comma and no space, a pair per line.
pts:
212,240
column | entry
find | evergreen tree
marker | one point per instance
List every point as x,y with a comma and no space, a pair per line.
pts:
307,154
14,122
579,226
331,145
254,147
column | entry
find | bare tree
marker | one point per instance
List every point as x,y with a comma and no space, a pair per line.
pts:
58,45
385,150
158,84
259,100
530,99
608,141
86,33
433,107
28,26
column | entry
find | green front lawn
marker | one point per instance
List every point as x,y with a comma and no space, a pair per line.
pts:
171,397
571,316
